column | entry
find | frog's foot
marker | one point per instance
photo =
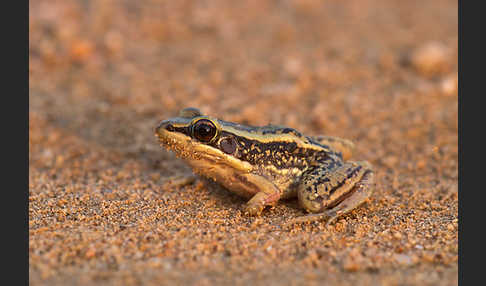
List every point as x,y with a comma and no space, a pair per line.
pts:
258,202
352,199
313,217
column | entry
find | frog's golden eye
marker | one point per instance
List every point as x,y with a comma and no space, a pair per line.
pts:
204,130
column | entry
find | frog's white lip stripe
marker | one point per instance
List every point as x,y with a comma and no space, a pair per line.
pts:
191,149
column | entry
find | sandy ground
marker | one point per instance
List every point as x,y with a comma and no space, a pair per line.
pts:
108,206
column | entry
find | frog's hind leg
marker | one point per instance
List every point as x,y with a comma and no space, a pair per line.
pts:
346,147
356,186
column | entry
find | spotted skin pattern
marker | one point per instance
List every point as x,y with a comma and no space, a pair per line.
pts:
266,164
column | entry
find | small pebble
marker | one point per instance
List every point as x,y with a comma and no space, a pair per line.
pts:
431,59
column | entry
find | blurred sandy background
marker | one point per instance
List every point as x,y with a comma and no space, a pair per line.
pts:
108,206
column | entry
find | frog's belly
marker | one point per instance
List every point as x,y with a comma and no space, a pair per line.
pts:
239,184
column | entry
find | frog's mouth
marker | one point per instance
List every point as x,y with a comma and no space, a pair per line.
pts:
175,137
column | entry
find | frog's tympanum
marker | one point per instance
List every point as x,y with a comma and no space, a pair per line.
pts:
269,163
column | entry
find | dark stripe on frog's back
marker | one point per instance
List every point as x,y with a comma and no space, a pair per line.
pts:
282,155
263,130
277,130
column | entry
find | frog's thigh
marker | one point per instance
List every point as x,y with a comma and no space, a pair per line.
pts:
268,194
355,186
346,147
361,192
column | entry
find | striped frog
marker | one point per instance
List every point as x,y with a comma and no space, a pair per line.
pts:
269,163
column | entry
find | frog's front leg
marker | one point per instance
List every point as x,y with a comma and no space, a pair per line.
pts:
332,193
268,194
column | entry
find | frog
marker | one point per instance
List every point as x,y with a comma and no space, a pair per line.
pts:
265,164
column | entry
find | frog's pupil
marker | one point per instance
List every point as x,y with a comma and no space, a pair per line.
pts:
204,130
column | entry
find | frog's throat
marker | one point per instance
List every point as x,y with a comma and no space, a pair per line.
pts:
197,153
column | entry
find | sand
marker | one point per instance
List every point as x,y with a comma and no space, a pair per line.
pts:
109,206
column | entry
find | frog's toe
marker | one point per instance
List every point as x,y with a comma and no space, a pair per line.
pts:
253,209
307,218
330,216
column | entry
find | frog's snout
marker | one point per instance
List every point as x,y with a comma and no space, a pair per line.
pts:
164,126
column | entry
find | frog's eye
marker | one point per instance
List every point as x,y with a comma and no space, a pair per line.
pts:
204,130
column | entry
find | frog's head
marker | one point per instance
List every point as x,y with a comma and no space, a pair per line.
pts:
200,139
207,142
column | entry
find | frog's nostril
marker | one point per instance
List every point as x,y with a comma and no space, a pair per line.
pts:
164,126
169,127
